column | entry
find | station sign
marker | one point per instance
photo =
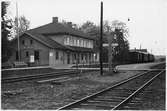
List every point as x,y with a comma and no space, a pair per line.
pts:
113,45
31,58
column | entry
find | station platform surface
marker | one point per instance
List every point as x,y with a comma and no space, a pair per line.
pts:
141,66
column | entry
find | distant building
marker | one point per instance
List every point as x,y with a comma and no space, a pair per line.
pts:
55,43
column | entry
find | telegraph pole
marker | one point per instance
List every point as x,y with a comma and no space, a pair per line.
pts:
101,39
18,42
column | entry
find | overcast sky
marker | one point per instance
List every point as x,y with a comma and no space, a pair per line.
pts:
147,23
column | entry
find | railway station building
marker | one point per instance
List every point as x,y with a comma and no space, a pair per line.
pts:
54,44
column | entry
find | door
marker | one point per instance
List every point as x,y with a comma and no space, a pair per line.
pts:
51,58
68,58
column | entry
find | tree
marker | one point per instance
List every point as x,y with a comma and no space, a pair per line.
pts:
121,33
119,52
75,26
23,24
6,26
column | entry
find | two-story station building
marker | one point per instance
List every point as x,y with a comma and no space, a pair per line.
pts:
55,43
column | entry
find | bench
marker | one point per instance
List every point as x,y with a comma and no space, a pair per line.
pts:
19,64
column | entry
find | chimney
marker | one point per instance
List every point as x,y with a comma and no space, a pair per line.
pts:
55,19
69,24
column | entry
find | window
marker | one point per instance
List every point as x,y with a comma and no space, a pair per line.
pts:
91,44
57,55
82,43
75,42
23,42
81,56
31,42
27,54
36,54
68,40
71,41
75,56
87,44
17,55
65,41
78,42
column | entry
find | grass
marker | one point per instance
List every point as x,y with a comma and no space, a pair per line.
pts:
52,96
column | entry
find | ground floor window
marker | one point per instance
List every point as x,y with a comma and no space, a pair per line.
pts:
68,58
17,55
81,56
57,55
36,54
27,54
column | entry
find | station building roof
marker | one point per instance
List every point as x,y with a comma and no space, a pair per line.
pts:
56,28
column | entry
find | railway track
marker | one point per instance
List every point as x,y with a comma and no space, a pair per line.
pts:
40,76
116,96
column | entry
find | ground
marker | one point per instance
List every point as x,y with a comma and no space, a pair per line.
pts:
52,96
31,95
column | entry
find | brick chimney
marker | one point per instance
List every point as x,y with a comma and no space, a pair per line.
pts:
55,19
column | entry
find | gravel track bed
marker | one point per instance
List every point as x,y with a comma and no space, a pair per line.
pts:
156,99
52,96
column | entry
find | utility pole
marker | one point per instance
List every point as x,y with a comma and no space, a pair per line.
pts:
101,39
18,41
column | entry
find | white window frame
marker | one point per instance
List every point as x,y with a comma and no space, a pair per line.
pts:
68,40
77,42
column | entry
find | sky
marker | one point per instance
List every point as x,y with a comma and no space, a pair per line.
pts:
147,23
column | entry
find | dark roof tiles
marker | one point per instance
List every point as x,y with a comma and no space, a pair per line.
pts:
40,34
59,28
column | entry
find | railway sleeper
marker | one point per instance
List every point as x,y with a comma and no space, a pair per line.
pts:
102,102
118,94
133,103
100,106
88,107
130,107
106,99
112,97
122,90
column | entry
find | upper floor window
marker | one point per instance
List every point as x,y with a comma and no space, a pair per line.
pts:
71,41
75,42
68,40
78,42
82,44
85,43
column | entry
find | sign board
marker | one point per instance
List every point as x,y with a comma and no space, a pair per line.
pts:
31,58
105,45
51,54
113,45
